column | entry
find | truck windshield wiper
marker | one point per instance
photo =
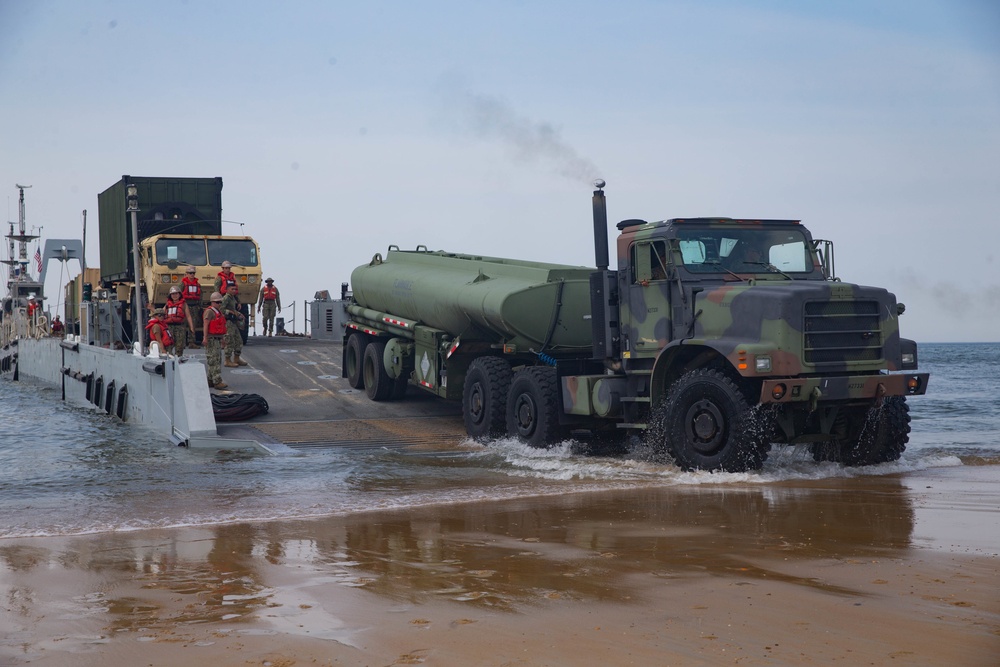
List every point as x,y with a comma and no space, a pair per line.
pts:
771,267
715,262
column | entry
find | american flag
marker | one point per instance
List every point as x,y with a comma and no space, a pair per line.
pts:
38,259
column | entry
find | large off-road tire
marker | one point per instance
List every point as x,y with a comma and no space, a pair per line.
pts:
533,406
354,356
484,397
881,437
707,424
378,384
244,324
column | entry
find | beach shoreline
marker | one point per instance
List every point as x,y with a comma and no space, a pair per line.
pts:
894,569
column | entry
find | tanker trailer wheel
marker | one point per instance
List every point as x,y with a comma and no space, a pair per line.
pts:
533,406
484,397
707,426
378,385
882,437
354,357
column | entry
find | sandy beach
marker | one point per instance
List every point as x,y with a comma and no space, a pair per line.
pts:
901,569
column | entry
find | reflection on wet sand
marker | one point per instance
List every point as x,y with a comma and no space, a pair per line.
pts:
503,556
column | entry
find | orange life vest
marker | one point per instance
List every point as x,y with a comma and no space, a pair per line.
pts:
165,338
32,307
191,289
216,325
228,279
174,311
270,293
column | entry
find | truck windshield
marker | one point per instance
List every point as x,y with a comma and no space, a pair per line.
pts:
748,250
182,251
238,251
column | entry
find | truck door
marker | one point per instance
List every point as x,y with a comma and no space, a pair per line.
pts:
646,317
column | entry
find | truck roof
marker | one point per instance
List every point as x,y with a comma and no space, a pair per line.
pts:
705,221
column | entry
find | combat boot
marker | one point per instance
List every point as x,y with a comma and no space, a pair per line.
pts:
239,362
229,363
220,385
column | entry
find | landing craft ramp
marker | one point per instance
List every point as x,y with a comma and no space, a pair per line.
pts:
311,405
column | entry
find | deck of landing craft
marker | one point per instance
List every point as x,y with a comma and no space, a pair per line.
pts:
311,405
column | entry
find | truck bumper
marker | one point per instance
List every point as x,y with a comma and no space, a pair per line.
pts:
843,388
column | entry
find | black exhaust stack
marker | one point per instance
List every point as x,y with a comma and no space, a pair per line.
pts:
603,287
600,226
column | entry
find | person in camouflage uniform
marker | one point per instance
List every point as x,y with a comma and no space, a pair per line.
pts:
213,331
234,321
270,300
178,319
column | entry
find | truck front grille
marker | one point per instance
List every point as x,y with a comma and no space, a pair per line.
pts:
839,331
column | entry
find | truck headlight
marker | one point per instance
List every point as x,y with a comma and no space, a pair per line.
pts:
908,358
762,364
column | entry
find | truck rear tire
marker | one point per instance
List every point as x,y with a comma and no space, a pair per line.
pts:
378,384
484,397
707,426
354,355
533,406
882,437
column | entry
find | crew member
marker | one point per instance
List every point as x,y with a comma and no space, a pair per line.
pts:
34,312
234,322
269,300
225,279
191,289
176,316
213,330
158,332
33,307
57,327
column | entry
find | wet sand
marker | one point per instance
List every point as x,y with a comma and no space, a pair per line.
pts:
901,569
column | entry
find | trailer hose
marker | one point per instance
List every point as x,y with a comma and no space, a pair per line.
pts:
238,407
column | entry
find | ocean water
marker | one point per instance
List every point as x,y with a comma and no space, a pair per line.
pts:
69,471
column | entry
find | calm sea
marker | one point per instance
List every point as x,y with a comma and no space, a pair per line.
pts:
66,470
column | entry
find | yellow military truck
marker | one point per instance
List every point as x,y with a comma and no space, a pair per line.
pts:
178,224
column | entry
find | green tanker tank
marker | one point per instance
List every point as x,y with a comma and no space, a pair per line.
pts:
713,339
524,305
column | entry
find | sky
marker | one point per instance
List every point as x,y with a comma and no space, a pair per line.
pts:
340,128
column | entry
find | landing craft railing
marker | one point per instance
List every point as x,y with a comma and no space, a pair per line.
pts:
16,325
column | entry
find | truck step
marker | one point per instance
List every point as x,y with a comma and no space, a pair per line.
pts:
642,427
636,399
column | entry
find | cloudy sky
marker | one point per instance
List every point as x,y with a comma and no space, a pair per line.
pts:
340,128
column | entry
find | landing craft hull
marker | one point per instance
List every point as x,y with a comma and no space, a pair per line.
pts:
161,394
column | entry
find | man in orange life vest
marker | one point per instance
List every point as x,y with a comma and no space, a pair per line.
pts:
191,289
225,279
176,315
158,332
269,300
213,331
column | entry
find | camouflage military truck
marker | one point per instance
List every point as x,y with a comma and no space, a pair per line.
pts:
714,339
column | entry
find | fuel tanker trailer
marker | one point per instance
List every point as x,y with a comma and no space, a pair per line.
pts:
712,340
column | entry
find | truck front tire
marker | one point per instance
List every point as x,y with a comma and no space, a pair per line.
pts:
533,406
881,439
484,397
706,423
